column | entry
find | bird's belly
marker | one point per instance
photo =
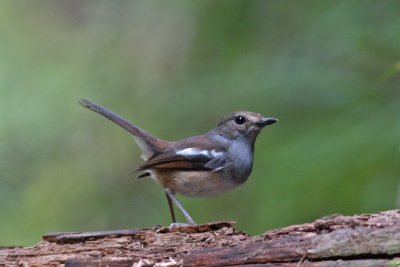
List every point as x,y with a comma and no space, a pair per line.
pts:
195,183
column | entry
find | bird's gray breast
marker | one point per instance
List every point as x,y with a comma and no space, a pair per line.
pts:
241,161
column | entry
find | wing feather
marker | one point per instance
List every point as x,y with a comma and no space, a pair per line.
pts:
187,155
172,160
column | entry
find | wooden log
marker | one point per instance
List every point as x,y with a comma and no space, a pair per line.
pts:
331,238
361,240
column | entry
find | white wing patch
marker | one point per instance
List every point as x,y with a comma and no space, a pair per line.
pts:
217,160
187,152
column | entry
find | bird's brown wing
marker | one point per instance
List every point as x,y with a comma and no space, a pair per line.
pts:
170,160
195,153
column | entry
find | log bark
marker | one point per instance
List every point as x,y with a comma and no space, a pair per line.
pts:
336,240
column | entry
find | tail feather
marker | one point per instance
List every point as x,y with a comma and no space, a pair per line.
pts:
148,143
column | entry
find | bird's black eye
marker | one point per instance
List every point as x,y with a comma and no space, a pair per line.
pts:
239,120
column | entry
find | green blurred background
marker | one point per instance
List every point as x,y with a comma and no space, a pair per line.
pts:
329,70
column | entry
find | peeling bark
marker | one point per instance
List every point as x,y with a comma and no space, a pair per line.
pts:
361,240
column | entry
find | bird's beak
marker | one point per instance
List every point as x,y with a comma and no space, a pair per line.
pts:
266,121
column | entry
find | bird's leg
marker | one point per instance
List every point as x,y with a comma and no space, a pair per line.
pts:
171,196
171,207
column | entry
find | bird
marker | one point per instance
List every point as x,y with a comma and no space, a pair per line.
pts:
199,166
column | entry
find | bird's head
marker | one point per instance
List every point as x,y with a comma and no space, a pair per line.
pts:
243,124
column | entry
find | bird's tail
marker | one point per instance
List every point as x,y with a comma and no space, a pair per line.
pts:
148,143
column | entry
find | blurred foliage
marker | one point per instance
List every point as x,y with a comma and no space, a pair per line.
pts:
329,70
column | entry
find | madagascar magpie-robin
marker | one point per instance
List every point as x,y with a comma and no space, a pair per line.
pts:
199,166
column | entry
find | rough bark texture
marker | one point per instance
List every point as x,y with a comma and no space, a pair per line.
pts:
362,240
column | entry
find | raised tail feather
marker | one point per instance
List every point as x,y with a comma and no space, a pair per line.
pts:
148,143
